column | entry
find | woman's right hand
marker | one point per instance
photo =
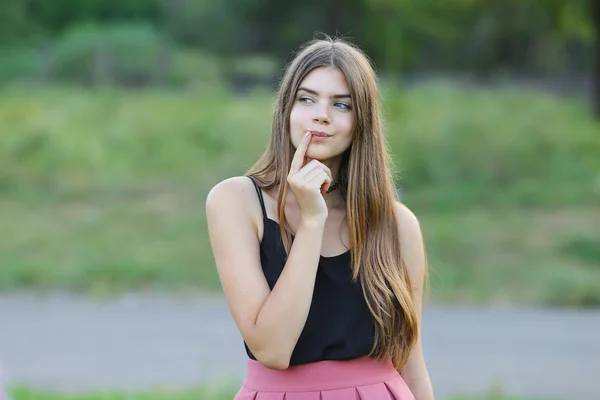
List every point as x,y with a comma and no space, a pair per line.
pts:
309,182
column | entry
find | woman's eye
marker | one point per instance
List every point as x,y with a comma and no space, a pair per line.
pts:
304,100
343,106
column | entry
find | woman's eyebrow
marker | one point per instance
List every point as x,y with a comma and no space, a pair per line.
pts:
335,96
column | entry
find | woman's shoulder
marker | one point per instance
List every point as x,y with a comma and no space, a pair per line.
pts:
234,193
411,241
234,184
406,219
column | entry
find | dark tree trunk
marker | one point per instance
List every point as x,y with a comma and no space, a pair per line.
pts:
595,8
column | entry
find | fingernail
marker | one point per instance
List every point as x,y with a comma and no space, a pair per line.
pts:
307,134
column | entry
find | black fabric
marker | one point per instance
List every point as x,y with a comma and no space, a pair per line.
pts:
339,325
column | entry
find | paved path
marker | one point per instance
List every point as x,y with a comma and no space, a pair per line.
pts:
69,343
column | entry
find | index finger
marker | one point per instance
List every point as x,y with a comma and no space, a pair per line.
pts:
298,159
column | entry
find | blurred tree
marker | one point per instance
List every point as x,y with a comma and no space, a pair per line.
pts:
58,15
399,32
580,20
16,26
595,11
25,20
275,27
481,36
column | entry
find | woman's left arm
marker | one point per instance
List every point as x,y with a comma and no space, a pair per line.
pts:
414,372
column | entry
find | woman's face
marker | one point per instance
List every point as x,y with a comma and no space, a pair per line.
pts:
323,106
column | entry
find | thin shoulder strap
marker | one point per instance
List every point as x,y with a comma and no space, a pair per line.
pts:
260,197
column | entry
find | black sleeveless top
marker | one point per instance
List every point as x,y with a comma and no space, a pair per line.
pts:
339,325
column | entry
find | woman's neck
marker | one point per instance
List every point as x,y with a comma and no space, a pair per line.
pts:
333,199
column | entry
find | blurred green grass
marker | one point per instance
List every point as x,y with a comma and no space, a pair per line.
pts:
103,190
196,394
22,393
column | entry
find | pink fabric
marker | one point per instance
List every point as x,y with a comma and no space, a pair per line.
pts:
360,379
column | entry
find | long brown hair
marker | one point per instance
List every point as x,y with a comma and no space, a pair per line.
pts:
367,184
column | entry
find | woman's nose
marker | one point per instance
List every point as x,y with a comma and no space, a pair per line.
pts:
321,119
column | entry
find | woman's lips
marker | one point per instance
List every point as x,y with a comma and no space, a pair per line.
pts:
318,135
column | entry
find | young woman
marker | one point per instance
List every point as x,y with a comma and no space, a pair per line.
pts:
322,268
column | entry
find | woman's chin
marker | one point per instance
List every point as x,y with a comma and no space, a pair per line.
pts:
322,153
318,155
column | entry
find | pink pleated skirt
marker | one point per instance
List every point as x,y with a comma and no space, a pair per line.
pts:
359,379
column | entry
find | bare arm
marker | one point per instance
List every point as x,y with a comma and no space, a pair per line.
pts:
270,321
415,371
